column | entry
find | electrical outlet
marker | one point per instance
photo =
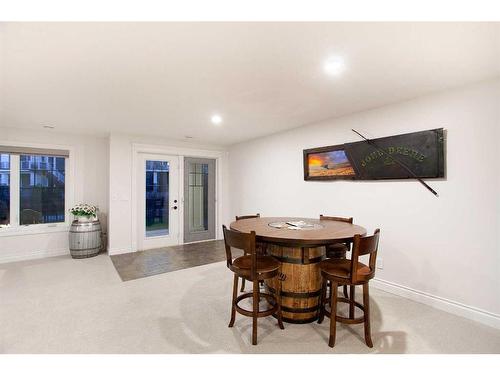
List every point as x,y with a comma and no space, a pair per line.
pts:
380,263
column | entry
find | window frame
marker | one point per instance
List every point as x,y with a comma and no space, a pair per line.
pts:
14,227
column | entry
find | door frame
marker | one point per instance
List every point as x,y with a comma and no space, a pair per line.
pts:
172,238
220,166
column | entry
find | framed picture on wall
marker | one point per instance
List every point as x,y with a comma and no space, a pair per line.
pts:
328,163
412,155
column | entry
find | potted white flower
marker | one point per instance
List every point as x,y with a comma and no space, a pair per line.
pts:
84,213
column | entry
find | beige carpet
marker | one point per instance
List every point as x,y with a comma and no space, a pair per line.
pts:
61,305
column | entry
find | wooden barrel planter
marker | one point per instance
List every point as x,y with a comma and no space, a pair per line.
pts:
301,285
85,239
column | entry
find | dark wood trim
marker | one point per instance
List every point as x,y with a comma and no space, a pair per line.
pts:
303,242
304,260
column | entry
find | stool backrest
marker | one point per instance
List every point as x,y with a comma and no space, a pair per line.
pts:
243,241
336,218
342,219
367,245
247,217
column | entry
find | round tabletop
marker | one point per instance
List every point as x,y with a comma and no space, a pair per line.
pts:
319,232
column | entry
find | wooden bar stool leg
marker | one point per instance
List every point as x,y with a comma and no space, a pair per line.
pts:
366,304
333,315
233,302
330,291
344,256
322,298
242,285
255,311
351,304
278,301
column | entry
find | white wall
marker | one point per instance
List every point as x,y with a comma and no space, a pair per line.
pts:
90,161
443,251
122,201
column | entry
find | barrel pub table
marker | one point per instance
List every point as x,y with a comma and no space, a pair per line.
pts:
299,249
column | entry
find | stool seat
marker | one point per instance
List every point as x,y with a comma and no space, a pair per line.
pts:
263,264
341,269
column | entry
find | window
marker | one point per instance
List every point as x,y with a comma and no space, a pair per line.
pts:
32,187
41,197
4,189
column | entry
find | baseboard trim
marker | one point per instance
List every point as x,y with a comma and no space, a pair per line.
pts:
453,307
119,251
200,241
34,255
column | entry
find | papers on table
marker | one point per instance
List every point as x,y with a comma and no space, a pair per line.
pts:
299,224
294,225
278,225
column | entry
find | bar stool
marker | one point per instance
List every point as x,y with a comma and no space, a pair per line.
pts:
254,268
349,272
339,250
243,218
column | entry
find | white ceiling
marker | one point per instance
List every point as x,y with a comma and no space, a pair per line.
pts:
167,79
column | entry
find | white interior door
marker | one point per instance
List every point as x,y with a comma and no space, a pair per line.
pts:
158,201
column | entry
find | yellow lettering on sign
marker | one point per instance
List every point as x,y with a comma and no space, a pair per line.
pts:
406,151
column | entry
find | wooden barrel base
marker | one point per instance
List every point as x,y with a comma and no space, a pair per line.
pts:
300,284
297,307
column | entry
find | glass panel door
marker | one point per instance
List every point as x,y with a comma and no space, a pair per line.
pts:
198,196
158,201
199,199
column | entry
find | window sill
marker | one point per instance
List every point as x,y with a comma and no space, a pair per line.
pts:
33,229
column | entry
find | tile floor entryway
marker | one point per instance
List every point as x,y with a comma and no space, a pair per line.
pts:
146,263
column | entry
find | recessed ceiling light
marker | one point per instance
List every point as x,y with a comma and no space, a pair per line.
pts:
334,66
216,120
